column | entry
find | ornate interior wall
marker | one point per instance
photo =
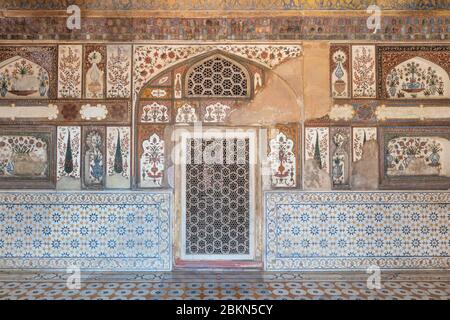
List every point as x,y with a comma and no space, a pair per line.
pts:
335,107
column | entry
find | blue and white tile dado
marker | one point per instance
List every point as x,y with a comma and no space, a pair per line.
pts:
352,230
304,230
107,231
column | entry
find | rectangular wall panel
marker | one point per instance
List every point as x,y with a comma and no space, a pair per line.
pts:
355,230
102,231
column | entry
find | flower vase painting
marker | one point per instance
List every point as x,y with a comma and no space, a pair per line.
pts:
339,60
282,161
417,78
23,79
340,156
416,157
26,157
152,162
95,75
94,157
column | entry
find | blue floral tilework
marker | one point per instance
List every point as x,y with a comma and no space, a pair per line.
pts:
92,230
348,230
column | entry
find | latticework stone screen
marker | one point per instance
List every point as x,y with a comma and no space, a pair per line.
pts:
217,197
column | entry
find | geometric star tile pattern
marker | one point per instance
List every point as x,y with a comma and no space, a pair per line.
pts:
347,230
94,231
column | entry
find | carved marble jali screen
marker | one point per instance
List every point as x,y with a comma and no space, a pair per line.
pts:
217,195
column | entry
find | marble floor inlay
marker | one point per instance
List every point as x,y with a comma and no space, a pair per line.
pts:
225,285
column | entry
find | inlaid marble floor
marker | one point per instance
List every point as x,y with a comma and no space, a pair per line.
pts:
225,285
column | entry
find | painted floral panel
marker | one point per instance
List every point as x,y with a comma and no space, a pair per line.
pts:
417,78
216,112
28,72
69,71
26,157
21,78
418,156
339,66
317,146
23,156
360,136
413,72
186,113
118,82
94,160
154,112
363,71
68,164
118,142
340,156
415,157
283,162
94,66
151,157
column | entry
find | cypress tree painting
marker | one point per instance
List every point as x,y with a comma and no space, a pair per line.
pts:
68,161
118,163
317,151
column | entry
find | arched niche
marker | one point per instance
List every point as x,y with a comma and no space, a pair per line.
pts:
417,78
21,78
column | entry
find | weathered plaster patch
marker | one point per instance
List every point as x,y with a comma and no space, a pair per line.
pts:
365,171
12,112
412,113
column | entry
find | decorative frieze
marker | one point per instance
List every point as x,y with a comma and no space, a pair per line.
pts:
342,112
13,112
97,112
419,113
